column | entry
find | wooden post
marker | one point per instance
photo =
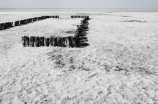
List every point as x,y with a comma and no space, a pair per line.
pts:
37,18
36,41
58,41
77,41
1,26
17,23
5,26
55,41
34,19
67,41
74,42
23,41
64,41
41,41
31,41
70,41
47,41
52,41
61,42
9,24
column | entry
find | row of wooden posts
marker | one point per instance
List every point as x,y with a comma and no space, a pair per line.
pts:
80,31
50,41
7,25
79,16
70,41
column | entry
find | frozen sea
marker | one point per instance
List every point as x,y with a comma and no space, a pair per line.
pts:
120,65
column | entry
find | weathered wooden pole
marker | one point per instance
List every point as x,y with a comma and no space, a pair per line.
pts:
31,41
37,41
47,41
41,41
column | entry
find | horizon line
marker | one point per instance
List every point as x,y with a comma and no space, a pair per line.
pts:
78,8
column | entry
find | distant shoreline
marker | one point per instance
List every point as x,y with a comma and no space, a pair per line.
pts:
80,9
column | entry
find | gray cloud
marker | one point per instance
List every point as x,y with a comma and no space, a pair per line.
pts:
78,3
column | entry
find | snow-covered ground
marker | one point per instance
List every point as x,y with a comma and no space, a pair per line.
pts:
120,65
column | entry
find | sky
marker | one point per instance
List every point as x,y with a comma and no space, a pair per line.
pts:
78,3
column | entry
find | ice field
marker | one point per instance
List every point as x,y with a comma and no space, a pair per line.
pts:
119,66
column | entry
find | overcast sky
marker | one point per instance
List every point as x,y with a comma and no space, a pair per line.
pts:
78,3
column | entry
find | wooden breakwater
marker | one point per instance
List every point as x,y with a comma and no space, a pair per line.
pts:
7,25
70,41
